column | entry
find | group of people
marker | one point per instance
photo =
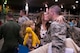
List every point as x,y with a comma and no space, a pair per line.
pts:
74,22
34,35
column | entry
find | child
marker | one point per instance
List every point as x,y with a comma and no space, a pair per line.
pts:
30,38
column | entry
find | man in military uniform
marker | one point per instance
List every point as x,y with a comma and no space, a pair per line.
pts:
57,30
10,32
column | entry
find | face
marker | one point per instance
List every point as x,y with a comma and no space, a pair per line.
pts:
45,16
33,26
50,14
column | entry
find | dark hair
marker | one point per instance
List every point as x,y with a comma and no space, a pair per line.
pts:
48,25
39,18
38,24
24,11
10,14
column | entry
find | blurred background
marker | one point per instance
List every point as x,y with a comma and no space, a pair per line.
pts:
69,7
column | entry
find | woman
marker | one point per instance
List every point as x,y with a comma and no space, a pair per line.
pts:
42,26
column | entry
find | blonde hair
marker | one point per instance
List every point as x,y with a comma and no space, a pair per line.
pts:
23,27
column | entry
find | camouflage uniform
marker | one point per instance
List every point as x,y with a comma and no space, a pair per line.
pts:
75,35
57,35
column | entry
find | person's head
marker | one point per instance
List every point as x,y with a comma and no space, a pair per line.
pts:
26,24
9,16
43,17
22,12
54,10
29,23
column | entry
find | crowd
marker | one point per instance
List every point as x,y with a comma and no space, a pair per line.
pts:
49,29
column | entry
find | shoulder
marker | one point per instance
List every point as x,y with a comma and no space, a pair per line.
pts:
26,17
54,23
20,18
61,16
15,23
3,25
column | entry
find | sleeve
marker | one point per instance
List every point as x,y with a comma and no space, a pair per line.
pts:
20,21
62,30
0,32
20,39
58,31
53,31
47,38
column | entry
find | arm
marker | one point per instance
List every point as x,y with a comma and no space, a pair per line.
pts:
20,39
47,38
53,32
58,31
0,32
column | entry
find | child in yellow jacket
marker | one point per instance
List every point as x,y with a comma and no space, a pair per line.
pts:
30,38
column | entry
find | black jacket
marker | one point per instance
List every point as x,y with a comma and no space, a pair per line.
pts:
10,32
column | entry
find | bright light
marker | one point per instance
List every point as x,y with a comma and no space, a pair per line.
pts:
5,2
40,8
56,0
62,6
46,9
73,7
26,7
46,5
77,1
